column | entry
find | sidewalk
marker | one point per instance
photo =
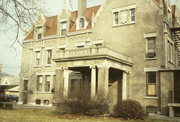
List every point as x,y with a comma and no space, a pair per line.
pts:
161,117
20,106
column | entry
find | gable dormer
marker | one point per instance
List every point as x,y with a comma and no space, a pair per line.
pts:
40,27
63,22
81,22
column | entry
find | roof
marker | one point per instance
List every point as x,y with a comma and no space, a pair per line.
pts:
88,15
158,1
10,80
51,28
51,22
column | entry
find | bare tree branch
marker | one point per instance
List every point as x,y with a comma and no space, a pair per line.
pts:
19,14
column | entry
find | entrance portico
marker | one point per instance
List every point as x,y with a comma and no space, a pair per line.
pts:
98,72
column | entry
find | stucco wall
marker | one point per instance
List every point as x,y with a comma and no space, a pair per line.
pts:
129,39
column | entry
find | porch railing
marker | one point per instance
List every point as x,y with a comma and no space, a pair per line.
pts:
85,52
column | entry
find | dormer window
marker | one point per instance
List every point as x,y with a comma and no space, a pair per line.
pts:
81,23
39,32
63,28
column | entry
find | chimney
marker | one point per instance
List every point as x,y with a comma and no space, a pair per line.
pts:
81,7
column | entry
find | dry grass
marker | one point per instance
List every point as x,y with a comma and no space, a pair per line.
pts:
36,115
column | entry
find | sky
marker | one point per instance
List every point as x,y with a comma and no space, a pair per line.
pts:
11,58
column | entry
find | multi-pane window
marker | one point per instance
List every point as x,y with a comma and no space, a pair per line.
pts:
39,83
151,46
116,18
63,28
151,84
132,15
81,23
37,57
170,52
47,83
39,32
49,56
123,16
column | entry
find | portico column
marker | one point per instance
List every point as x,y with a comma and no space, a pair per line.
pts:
58,85
93,81
66,82
124,86
103,81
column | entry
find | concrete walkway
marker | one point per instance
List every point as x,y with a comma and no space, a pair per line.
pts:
161,117
20,106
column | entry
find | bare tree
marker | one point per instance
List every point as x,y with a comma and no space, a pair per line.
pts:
18,14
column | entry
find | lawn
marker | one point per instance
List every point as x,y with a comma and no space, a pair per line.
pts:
36,115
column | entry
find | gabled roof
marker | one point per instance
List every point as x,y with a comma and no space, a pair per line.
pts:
51,22
88,15
50,28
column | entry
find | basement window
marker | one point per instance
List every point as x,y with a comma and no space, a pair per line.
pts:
46,102
38,101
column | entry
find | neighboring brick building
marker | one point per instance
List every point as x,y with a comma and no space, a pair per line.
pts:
125,49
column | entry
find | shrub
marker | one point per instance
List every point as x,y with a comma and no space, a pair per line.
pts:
82,105
129,109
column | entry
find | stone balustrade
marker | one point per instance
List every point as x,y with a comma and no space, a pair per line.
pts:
85,52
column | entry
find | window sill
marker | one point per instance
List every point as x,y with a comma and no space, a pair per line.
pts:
151,58
151,97
37,66
118,25
62,36
48,65
43,92
38,40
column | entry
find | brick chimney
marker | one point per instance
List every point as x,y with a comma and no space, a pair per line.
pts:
82,4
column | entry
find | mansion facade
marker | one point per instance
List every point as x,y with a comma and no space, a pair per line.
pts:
123,49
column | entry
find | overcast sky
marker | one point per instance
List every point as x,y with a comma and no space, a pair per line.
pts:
10,58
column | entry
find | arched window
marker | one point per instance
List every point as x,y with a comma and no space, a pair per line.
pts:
81,23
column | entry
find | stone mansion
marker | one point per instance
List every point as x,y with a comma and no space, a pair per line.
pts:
123,49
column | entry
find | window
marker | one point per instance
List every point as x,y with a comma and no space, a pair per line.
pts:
37,58
81,23
116,19
124,15
39,32
63,28
46,102
132,15
151,84
170,52
39,83
49,56
47,83
38,101
150,49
